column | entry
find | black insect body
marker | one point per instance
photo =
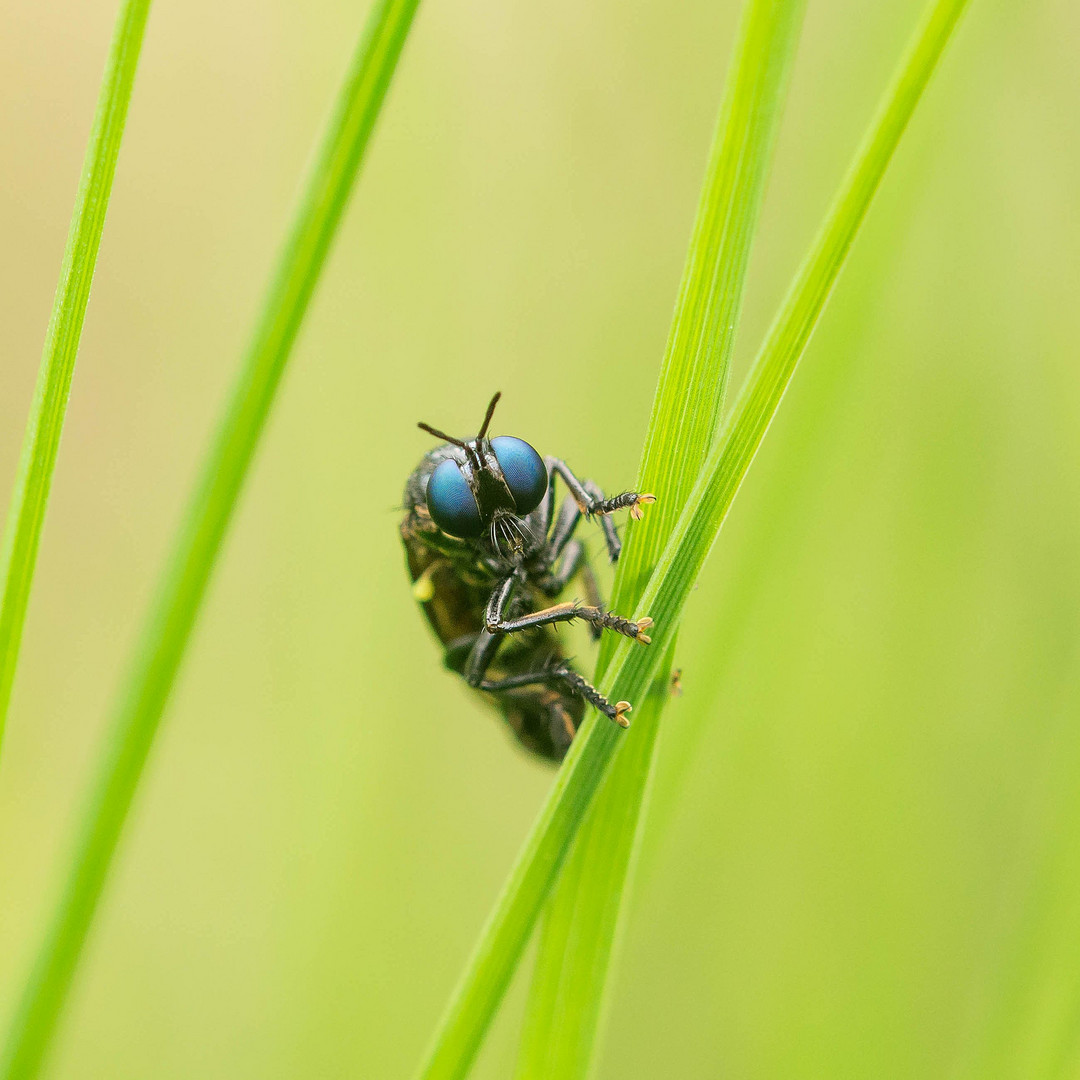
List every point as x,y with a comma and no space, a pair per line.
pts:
489,555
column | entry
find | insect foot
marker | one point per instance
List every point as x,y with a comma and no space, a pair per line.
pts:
610,621
582,686
629,499
635,511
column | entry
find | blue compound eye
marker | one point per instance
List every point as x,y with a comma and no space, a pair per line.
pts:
523,469
451,504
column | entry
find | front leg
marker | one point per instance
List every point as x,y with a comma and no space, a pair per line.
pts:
591,502
588,501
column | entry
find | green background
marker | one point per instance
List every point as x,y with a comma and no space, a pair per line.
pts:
863,853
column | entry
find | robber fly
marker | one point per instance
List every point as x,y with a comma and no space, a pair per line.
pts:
489,555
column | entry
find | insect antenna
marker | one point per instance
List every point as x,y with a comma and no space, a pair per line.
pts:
488,414
441,435
470,452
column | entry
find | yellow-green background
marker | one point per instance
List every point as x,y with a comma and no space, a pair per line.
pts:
863,858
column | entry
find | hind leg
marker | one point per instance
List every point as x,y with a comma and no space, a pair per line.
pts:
562,675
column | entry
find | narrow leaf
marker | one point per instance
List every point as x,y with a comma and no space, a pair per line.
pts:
694,372
576,946
790,332
540,861
41,443
582,918
185,579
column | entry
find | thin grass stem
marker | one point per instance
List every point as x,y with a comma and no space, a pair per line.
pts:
540,861
45,424
183,584
580,928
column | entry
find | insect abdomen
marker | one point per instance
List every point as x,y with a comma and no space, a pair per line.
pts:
544,716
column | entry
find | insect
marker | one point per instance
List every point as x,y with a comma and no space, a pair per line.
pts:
488,555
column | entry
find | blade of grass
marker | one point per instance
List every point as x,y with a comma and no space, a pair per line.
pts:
792,491
693,374
184,582
562,1018
789,334
566,1001
1025,1000
41,443
503,938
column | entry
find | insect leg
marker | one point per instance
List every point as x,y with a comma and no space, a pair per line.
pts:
568,678
575,561
495,620
592,594
572,561
565,524
607,526
497,627
570,515
589,503
486,643
483,652
589,583
569,611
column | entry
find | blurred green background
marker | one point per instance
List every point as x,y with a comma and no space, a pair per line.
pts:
863,857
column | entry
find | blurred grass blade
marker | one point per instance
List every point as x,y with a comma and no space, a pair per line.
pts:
1025,995
563,1015
199,540
539,863
30,496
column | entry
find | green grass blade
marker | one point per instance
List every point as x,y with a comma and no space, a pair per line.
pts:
790,332
563,1015
199,540
693,374
30,497
540,861
578,933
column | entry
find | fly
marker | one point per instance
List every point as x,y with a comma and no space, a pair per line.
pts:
489,557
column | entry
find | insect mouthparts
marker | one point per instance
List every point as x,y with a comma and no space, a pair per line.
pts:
507,528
